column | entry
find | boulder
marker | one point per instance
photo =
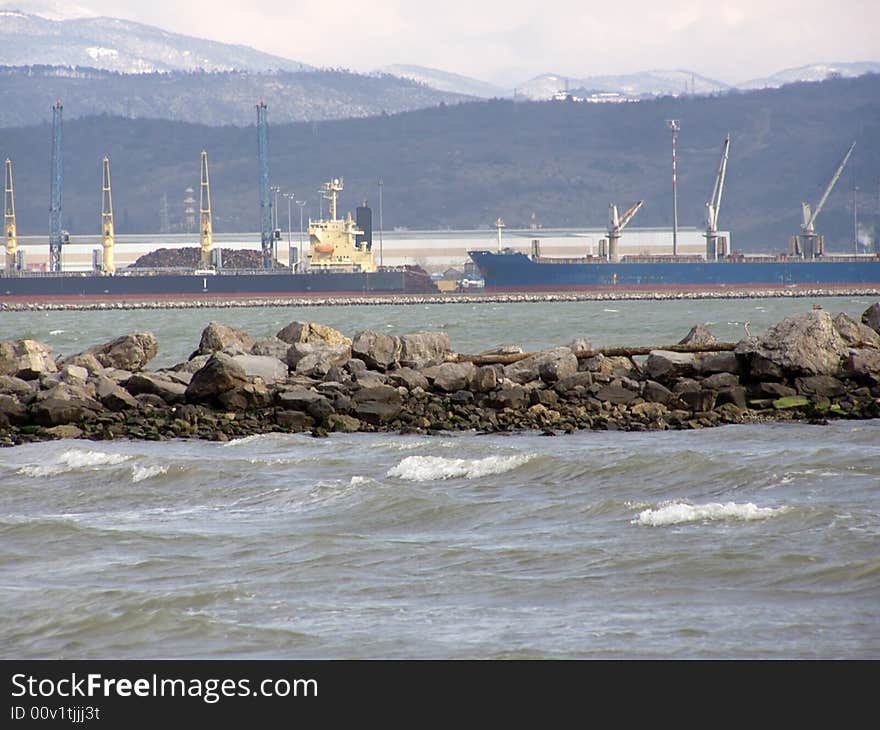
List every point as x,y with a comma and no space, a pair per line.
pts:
856,334
807,344
825,386
616,393
735,395
862,363
376,349
85,360
300,399
313,333
698,335
377,393
220,374
269,368
376,412
424,349
11,410
699,400
667,365
129,352
217,337
655,392
23,390
871,317
485,379
25,359
509,395
502,350
408,378
63,404
720,380
74,374
548,366
168,390
450,376
194,364
271,347
316,359
707,363
114,396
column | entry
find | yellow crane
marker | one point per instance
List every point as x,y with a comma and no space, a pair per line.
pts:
206,228
108,237
9,221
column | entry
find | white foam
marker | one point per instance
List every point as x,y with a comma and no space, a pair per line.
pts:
71,460
139,473
56,332
357,481
427,468
677,513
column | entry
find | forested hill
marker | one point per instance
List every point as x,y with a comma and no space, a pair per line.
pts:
464,165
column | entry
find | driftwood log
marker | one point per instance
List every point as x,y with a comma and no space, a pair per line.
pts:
583,354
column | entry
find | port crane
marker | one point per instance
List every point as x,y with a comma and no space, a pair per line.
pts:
268,233
206,227
9,222
108,236
713,207
616,224
809,243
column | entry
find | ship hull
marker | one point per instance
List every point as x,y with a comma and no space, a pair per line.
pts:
228,285
518,272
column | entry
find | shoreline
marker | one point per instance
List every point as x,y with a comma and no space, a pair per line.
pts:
447,298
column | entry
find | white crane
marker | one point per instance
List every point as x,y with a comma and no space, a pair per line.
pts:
713,207
812,244
616,224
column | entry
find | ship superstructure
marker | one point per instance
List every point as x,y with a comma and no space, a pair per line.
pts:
338,244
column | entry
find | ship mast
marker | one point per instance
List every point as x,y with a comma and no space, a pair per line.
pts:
330,191
9,221
108,238
206,228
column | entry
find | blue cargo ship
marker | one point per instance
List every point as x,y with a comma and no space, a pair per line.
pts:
508,270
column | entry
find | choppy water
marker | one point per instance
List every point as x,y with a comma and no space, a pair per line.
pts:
734,542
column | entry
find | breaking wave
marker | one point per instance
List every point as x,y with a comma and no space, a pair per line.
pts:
72,460
427,468
678,513
139,473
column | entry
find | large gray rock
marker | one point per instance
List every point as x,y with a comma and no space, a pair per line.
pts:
616,393
128,352
114,396
23,390
807,344
11,410
408,378
269,368
25,359
871,317
313,333
708,363
698,335
424,349
376,349
83,359
271,346
63,404
217,337
668,365
863,363
856,334
450,376
167,389
220,374
315,359
548,366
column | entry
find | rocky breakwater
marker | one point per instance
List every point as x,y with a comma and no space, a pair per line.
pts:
309,377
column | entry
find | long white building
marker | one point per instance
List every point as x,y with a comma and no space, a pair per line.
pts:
435,251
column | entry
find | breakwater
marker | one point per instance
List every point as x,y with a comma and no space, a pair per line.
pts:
309,377
470,297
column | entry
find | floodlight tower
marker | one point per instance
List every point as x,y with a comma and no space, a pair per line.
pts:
674,126
57,237
206,227
108,239
9,221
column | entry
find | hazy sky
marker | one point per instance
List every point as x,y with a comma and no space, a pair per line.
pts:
508,41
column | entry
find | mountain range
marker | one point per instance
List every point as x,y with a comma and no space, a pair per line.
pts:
127,47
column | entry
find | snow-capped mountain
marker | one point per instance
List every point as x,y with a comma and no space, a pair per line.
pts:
121,45
636,85
445,81
814,72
